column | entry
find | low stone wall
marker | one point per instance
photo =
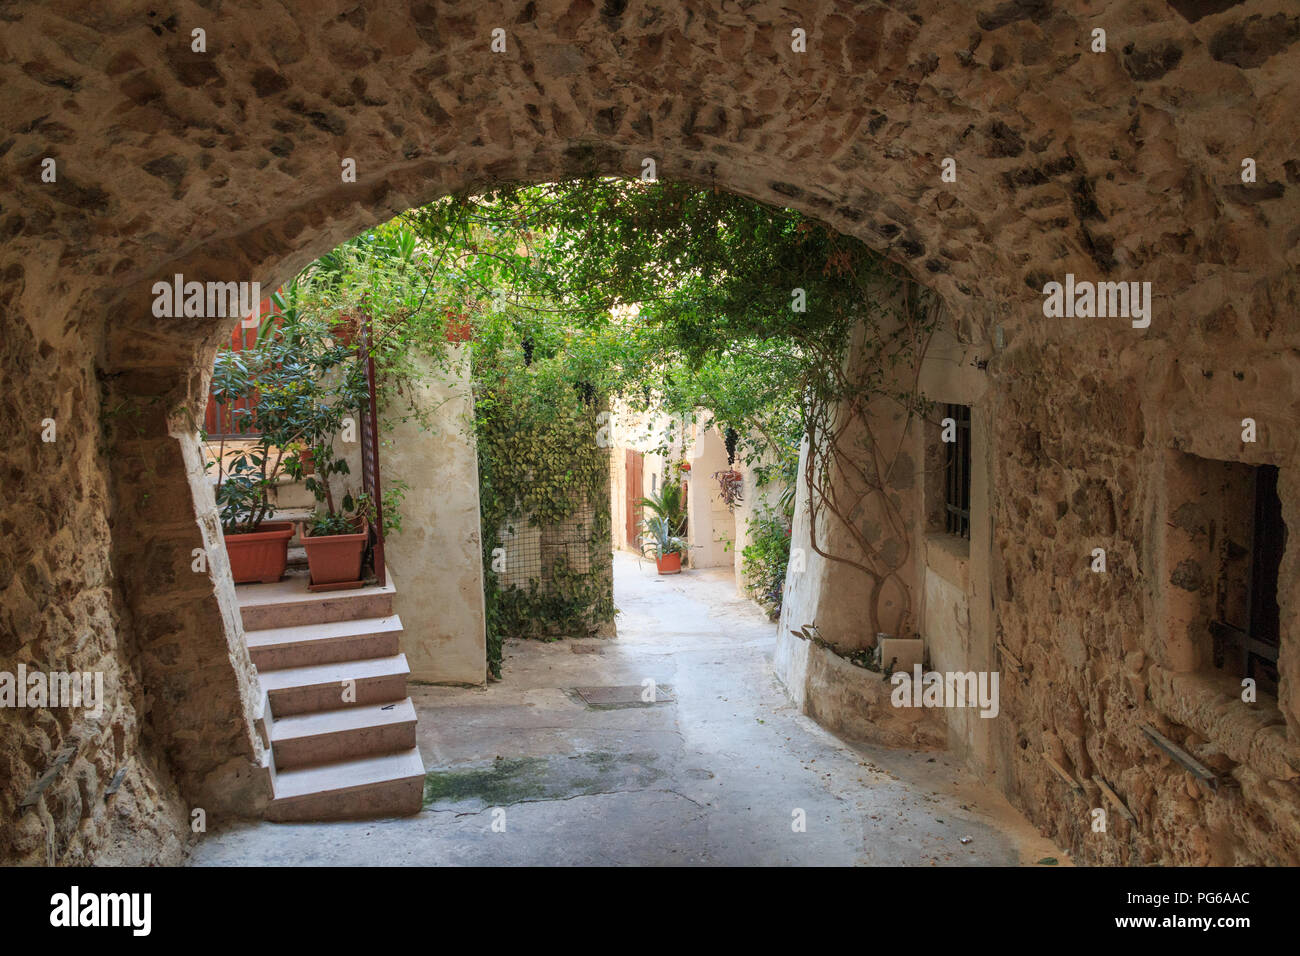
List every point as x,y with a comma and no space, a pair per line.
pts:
850,700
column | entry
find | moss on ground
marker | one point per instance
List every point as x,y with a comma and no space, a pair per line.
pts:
519,779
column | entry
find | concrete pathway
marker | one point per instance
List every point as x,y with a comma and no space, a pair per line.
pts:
525,772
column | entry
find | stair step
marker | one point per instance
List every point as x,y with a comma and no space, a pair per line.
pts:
333,735
302,690
288,603
262,719
379,786
305,645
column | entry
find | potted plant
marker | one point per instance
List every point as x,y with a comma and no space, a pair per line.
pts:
300,383
335,545
258,549
730,485
666,547
668,504
336,540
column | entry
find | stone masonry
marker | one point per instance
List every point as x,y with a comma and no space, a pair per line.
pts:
225,165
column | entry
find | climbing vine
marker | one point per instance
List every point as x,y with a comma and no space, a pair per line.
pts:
670,297
765,559
783,328
543,495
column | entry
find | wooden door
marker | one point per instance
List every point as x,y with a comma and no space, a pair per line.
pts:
634,465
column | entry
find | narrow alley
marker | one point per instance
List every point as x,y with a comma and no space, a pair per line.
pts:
715,772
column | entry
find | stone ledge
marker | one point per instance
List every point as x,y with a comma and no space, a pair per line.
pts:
852,701
1254,735
949,557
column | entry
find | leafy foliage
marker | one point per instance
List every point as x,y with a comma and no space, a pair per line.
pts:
661,541
299,383
669,296
669,504
539,465
683,297
765,559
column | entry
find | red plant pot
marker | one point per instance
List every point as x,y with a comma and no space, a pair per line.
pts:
669,564
260,555
458,331
344,329
335,558
308,460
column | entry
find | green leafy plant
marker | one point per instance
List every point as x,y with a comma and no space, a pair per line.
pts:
324,524
764,560
540,467
660,541
298,384
394,494
668,503
680,297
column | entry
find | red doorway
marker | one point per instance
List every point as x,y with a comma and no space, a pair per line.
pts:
635,468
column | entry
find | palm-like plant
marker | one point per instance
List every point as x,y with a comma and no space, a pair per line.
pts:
668,505
661,540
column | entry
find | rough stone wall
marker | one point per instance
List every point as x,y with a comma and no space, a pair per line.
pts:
225,165
60,610
1080,455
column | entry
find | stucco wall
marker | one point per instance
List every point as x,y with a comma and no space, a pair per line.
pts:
712,526
436,560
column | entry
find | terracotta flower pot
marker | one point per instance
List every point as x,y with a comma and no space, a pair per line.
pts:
335,558
308,460
459,330
669,564
344,329
261,555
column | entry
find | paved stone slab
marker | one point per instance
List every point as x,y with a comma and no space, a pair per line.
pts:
624,695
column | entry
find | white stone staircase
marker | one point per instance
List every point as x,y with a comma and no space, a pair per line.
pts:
331,758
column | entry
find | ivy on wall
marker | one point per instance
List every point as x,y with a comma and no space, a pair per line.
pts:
541,466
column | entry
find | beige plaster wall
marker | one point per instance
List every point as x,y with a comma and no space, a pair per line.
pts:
712,527
956,606
436,559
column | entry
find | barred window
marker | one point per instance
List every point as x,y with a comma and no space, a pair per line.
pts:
956,485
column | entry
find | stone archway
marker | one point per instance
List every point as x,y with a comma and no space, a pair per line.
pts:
226,165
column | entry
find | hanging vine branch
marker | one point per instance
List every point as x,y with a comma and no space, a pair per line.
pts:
677,297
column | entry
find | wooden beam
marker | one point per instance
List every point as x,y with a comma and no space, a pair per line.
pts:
1189,763
1113,797
61,760
1061,772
